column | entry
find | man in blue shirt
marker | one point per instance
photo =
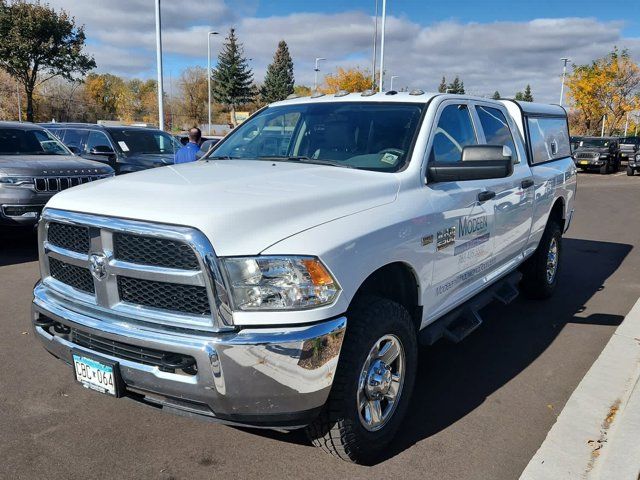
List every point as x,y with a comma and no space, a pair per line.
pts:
189,153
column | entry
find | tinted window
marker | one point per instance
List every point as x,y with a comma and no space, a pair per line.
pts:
14,141
453,133
496,129
371,136
96,139
549,138
75,138
139,141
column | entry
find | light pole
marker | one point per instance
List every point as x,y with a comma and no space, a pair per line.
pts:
209,79
604,120
626,124
159,64
564,76
316,70
391,84
19,102
384,22
375,47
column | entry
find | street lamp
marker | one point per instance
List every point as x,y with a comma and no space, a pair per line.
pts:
391,84
564,76
209,79
159,65
384,22
316,70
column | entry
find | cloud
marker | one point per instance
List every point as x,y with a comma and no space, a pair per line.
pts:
503,56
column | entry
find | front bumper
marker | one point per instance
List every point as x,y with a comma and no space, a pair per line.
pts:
21,206
261,377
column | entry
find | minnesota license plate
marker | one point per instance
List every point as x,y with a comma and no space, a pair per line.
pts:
98,375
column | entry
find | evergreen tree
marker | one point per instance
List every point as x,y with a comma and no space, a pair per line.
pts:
232,78
519,96
527,96
278,82
456,86
496,95
442,88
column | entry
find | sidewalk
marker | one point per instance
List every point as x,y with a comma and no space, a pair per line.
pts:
597,434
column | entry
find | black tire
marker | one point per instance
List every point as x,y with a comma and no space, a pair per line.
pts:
604,169
630,172
338,429
535,280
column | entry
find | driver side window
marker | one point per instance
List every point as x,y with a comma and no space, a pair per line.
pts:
453,132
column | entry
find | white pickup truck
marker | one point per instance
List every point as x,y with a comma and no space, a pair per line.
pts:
287,279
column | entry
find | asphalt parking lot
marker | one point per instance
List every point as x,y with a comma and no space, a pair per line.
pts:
480,410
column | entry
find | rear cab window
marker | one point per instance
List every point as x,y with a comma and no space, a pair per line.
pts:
548,138
496,128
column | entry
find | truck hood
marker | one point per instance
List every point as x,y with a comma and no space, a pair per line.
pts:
151,159
243,206
42,165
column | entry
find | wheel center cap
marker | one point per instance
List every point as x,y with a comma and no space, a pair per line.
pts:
378,380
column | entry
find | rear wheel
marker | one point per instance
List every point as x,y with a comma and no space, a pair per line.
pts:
540,271
373,384
630,171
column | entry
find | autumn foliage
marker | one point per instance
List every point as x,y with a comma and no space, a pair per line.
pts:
350,80
608,86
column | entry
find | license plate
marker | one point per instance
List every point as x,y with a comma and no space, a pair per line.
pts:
583,162
96,374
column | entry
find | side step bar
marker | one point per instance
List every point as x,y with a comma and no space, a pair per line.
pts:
463,320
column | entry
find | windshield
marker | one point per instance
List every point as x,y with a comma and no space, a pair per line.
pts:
133,141
594,142
18,141
629,141
369,136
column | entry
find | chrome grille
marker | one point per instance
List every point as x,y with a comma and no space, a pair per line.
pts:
159,252
57,184
70,237
167,296
138,271
76,277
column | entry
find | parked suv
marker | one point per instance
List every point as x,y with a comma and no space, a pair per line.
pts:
286,279
598,153
126,149
629,147
34,165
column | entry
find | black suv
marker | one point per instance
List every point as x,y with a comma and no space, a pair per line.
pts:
126,149
629,147
598,153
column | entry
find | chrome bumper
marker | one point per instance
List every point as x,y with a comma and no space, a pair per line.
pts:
263,377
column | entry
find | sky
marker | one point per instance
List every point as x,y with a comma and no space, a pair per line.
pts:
491,44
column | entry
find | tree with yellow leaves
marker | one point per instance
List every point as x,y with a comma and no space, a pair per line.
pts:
608,86
350,80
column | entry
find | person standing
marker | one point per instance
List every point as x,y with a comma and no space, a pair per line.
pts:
189,153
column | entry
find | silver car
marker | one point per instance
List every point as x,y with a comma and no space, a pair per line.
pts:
34,166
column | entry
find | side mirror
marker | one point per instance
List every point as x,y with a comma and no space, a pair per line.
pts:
101,150
479,162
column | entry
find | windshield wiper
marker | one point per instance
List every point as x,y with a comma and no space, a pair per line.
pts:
220,157
304,159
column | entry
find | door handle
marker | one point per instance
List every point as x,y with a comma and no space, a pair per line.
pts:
526,183
486,195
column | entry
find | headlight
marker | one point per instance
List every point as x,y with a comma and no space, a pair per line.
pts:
15,180
279,283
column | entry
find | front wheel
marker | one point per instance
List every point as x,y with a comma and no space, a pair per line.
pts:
630,172
606,168
540,271
373,383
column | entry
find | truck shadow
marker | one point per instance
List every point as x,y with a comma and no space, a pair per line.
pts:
17,245
455,379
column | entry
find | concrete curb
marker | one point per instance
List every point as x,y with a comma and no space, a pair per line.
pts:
596,436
